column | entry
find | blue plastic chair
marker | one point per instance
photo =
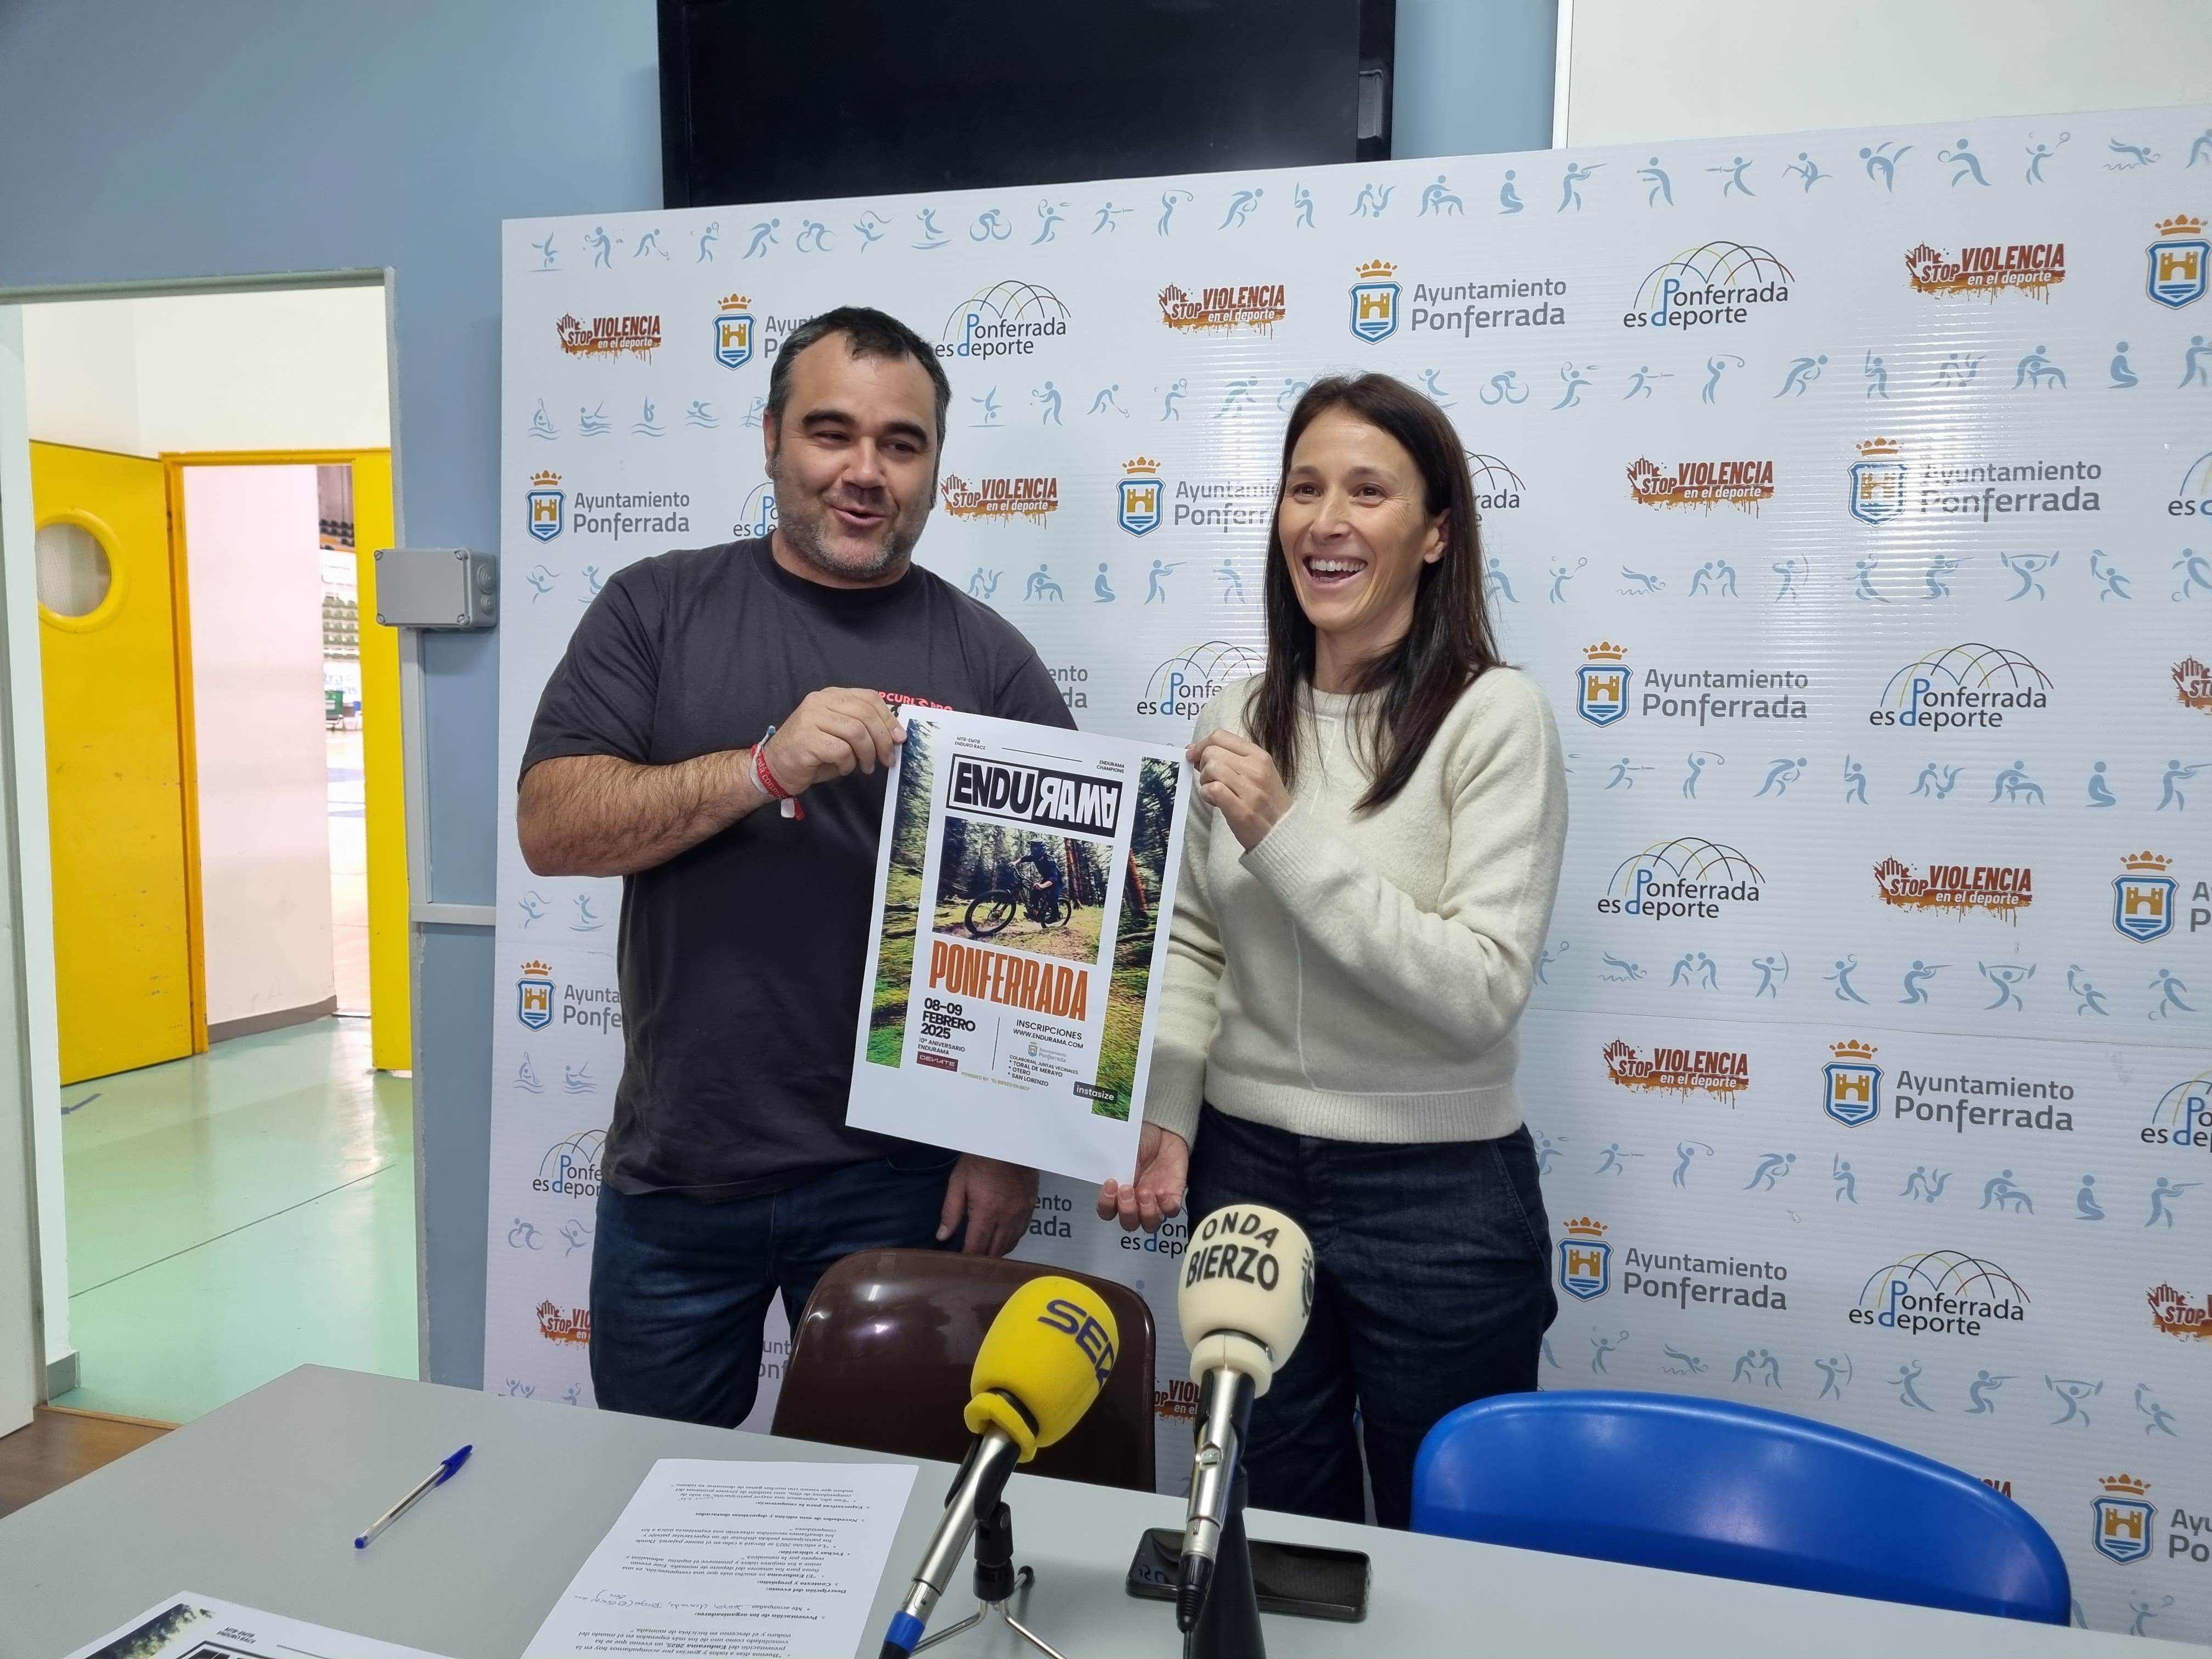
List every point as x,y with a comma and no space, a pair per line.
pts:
1733,1492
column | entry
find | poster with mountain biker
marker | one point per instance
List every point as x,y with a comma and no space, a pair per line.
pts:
1009,992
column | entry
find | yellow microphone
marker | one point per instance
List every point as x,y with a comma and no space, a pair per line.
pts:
1042,1365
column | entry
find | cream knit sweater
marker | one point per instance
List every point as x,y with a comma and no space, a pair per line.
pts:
1358,976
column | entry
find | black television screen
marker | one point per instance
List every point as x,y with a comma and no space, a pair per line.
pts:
783,102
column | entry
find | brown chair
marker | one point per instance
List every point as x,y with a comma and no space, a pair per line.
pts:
882,1356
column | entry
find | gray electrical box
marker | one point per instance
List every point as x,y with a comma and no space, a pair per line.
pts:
436,587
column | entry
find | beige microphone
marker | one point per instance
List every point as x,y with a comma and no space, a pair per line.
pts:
1246,1293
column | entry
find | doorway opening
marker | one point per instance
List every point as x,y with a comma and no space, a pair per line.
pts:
210,476
345,762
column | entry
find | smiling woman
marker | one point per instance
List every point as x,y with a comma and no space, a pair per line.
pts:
1377,510
1365,885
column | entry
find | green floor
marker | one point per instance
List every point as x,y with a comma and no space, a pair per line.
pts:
236,1214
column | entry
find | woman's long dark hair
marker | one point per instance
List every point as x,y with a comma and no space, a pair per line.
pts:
1450,644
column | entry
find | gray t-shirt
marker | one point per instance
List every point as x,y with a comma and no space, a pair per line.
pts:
740,959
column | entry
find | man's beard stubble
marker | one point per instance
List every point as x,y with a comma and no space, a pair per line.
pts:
804,520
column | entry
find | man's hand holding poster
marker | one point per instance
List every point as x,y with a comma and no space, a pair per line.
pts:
1023,893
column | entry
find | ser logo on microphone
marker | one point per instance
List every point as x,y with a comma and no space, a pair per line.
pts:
1072,1319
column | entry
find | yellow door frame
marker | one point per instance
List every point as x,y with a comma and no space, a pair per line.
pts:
383,783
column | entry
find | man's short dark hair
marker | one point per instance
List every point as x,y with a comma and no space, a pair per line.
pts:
868,333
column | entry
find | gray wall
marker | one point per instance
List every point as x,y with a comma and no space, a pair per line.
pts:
164,138
1475,76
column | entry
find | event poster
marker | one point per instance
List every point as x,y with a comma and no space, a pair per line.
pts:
1022,892
187,1626
1848,492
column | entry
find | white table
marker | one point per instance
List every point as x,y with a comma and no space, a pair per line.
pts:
257,1503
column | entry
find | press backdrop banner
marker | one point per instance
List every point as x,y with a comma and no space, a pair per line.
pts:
1847,492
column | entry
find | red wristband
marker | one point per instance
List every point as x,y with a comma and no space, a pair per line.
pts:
770,785
763,776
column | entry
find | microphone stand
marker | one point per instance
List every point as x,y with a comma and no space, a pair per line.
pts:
1228,1613
1229,1624
997,1582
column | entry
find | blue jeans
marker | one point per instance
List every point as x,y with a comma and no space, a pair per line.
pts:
679,1287
1431,1288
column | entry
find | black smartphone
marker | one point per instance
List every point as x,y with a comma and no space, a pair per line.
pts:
1302,1580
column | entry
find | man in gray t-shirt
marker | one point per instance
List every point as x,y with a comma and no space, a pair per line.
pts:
729,1174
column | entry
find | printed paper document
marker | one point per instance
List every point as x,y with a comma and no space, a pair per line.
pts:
714,1558
189,1626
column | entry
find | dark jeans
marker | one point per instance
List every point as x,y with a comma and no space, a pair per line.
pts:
679,1288
1431,1288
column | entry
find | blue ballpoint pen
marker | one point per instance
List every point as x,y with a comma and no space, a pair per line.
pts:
437,1478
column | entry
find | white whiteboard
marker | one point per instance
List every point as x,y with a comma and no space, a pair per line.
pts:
1705,69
